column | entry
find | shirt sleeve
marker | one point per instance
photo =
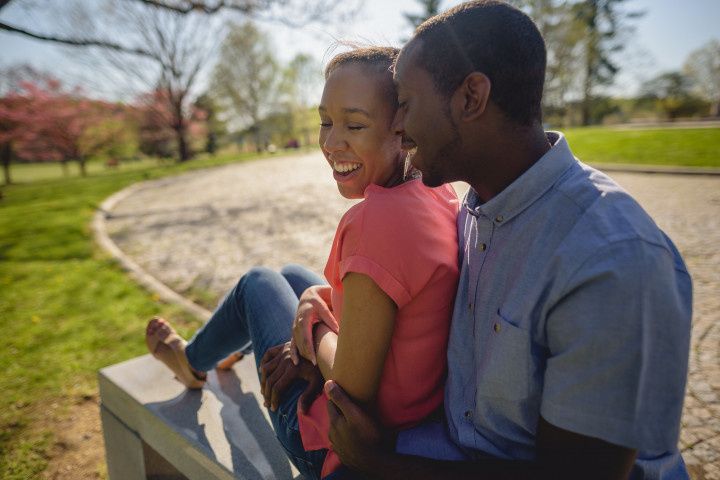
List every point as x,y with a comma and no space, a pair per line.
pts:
401,242
618,345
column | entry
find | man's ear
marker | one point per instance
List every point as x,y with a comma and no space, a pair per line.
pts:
472,96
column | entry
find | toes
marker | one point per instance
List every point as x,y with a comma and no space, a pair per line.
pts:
154,324
163,331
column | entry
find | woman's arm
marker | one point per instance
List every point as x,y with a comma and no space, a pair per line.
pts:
315,304
366,328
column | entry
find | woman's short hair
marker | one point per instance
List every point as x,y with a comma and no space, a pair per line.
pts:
379,60
494,38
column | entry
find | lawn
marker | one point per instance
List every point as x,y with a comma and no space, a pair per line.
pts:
66,308
696,147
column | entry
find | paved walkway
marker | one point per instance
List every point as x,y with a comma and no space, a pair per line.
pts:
200,231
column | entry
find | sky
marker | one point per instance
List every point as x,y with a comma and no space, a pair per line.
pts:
663,37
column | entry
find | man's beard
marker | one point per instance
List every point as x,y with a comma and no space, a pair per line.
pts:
436,171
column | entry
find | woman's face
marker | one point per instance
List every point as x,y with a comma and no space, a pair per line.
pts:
356,133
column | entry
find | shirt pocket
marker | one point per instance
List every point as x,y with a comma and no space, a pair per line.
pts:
504,369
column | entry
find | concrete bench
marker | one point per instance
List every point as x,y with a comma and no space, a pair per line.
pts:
155,428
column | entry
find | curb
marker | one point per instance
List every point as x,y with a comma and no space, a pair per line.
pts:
136,272
655,169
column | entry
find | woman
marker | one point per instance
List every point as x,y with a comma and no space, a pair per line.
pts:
392,274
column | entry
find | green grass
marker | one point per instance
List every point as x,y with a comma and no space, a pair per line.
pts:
33,172
66,308
697,147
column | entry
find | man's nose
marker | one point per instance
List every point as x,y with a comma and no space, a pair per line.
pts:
398,125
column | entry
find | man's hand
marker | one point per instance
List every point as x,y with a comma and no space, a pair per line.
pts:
355,436
278,372
312,309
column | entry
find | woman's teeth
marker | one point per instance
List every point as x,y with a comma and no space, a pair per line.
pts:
346,167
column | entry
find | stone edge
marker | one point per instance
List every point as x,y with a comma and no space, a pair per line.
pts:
135,271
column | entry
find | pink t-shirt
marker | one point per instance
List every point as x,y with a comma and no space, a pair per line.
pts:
405,239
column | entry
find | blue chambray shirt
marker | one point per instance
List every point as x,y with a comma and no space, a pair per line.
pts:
572,304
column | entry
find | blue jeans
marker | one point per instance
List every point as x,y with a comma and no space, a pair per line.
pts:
255,315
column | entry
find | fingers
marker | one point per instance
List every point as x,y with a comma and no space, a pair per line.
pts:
334,413
266,369
303,338
271,353
337,422
294,352
310,393
279,388
271,378
340,400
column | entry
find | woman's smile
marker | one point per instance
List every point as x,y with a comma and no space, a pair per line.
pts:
346,172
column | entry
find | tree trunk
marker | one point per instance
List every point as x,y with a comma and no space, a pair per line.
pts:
81,163
183,152
6,157
64,165
591,59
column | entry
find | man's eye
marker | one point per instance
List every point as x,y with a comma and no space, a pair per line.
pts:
325,124
355,127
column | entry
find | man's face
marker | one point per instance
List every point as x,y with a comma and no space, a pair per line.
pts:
425,119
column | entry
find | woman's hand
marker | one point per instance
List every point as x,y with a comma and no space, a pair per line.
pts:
313,308
278,372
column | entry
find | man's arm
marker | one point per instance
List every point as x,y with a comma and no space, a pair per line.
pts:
561,454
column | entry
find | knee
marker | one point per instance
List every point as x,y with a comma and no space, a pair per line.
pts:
257,276
249,282
292,270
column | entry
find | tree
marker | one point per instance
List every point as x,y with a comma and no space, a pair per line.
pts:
165,44
214,127
48,123
299,91
703,67
557,23
12,83
245,79
430,9
671,93
603,22
10,133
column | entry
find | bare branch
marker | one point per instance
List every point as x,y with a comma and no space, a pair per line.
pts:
188,6
77,42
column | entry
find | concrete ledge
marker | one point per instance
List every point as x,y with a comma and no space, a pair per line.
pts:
155,428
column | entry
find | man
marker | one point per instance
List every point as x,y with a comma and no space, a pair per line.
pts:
569,343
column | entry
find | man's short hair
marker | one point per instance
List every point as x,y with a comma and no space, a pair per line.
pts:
496,39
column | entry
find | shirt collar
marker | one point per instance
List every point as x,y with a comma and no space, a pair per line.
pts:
527,188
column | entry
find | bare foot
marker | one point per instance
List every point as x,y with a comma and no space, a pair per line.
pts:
231,360
169,347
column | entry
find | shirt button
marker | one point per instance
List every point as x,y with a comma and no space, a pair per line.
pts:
499,218
468,414
482,247
496,327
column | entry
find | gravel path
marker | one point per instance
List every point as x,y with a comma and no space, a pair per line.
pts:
200,231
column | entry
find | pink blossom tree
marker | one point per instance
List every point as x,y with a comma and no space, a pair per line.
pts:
43,122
